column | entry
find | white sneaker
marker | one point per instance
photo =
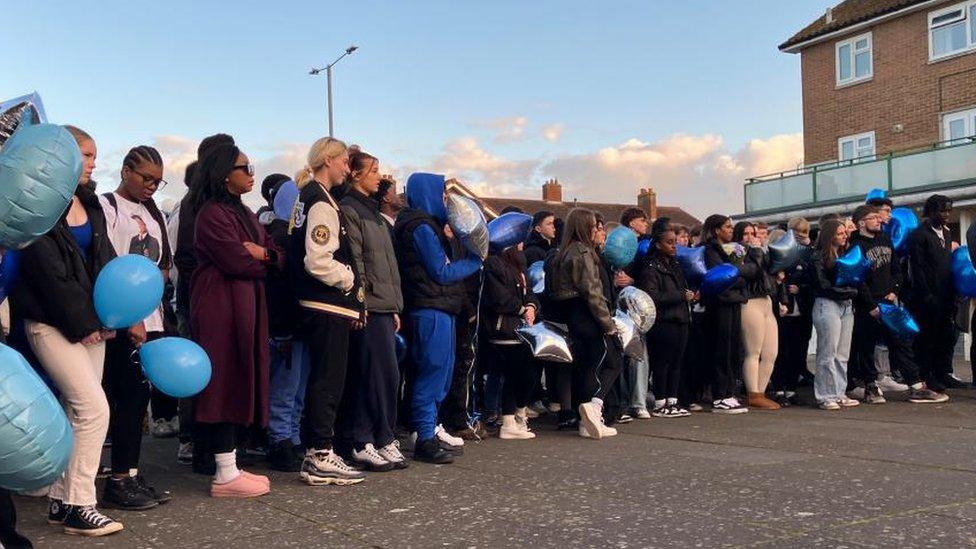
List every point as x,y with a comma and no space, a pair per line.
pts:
846,402
604,432
522,422
513,430
888,385
184,454
326,467
591,418
371,460
162,428
829,405
443,436
391,452
643,414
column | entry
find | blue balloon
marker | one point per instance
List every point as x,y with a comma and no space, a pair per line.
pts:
537,277
785,253
719,278
621,247
963,273
284,200
128,289
509,229
35,436
39,170
875,194
852,267
176,366
898,320
9,266
643,247
903,222
401,347
692,261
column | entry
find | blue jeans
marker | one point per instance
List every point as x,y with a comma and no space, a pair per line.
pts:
289,378
639,372
432,351
834,321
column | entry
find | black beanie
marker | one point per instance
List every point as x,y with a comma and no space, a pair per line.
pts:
270,185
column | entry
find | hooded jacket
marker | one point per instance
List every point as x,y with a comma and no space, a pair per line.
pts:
662,278
430,280
537,248
373,256
56,282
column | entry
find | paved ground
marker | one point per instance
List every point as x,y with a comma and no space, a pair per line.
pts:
899,474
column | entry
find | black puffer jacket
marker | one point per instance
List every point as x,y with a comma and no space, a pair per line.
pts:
824,281
537,247
504,299
56,282
662,278
714,256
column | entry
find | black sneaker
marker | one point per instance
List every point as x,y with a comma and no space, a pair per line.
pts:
88,521
125,493
161,496
283,457
873,395
430,450
104,471
57,510
926,396
951,381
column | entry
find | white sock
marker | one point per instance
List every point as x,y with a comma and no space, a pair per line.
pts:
133,472
226,467
597,401
917,386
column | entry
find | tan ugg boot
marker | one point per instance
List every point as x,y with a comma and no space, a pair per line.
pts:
759,400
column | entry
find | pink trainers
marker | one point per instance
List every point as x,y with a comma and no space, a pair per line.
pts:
244,486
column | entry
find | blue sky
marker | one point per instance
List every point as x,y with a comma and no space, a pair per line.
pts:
502,94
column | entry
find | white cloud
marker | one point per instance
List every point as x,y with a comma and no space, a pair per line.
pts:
485,173
508,129
552,132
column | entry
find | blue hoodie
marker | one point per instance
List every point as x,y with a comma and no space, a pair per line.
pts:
425,192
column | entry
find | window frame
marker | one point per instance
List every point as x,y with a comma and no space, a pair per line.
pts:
852,43
854,139
968,10
968,116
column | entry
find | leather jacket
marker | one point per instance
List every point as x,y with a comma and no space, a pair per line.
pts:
574,272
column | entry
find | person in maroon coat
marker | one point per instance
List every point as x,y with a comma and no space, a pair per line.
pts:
228,314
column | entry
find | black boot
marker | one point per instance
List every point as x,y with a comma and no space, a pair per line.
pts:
125,493
430,451
282,457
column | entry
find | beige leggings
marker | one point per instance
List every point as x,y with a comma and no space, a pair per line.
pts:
76,370
760,337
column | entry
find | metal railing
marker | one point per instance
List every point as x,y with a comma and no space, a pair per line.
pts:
942,165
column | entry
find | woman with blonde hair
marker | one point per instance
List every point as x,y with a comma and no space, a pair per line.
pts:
331,299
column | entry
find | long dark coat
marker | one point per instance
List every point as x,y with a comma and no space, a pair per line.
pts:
229,317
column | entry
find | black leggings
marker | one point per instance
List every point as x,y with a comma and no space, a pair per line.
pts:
597,364
794,339
666,343
127,392
217,438
723,330
520,374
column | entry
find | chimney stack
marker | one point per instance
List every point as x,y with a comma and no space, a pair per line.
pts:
829,17
552,191
647,201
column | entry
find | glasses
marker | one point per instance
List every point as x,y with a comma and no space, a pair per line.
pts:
150,181
247,168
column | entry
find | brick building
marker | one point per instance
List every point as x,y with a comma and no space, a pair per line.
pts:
889,101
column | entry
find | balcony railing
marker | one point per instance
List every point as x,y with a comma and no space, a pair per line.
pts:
943,165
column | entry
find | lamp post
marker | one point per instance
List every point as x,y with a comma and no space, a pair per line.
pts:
328,78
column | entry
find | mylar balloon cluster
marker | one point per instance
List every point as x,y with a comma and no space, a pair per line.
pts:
638,306
178,367
509,229
785,253
127,290
963,273
898,320
692,262
903,222
852,267
537,277
546,341
468,223
284,200
621,247
719,278
35,436
39,170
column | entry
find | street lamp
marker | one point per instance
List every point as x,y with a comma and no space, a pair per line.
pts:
328,77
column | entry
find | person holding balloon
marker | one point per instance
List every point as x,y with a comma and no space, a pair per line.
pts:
228,314
833,316
55,299
369,411
723,320
796,324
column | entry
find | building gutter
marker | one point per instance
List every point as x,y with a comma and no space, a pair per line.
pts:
795,48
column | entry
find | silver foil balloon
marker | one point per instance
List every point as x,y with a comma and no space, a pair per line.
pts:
537,277
639,307
546,341
785,253
13,111
628,334
468,223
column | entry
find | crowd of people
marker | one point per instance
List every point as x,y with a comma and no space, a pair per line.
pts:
300,316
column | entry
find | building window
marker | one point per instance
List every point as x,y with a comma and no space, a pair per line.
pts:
952,30
854,62
959,126
858,147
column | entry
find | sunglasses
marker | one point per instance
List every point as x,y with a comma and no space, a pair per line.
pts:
248,168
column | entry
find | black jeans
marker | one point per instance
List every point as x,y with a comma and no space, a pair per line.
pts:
868,333
127,392
695,372
328,345
520,375
794,340
369,405
723,331
935,344
666,344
